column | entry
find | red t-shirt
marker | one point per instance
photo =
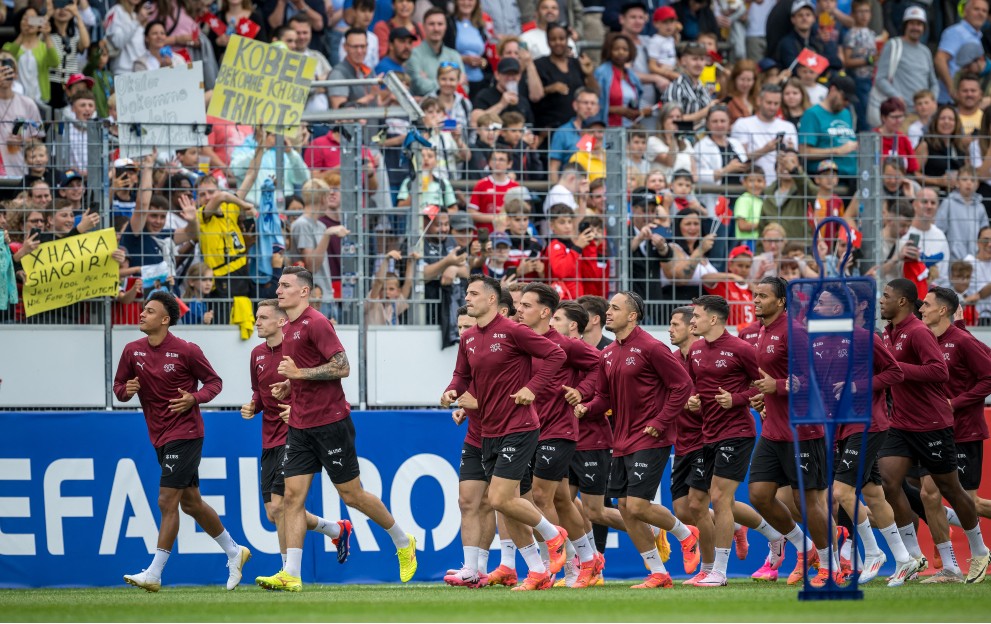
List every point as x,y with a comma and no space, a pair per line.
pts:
899,146
311,341
741,301
162,371
265,372
488,197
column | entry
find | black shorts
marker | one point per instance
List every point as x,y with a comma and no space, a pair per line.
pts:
553,459
681,469
845,463
970,461
933,450
590,471
638,475
180,462
471,464
775,462
273,472
509,456
328,446
727,459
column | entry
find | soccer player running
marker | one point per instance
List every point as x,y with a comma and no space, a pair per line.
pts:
646,387
264,364
969,364
477,518
922,425
166,373
321,433
721,367
773,462
559,431
494,357
849,443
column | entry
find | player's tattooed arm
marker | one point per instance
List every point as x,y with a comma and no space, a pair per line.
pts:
337,368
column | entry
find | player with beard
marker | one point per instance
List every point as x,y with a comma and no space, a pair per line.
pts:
494,356
922,425
646,387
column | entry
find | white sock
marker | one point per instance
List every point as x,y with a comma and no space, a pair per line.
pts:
546,529
949,557
824,558
770,533
531,554
977,546
680,531
653,561
737,526
294,561
655,530
471,558
569,550
867,537
591,541
847,547
799,540
952,517
508,549
911,540
228,544
544,553
283,560
399,537
722,561
329,528
893,537
706,568
586,552
158,563
483,561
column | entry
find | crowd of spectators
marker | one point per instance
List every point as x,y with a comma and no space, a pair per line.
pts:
737,145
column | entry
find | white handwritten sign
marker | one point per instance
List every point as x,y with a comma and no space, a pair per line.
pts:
163,109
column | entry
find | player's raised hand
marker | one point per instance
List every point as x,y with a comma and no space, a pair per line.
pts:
458,416
766,384
287,368
183,404
281,390
580,410
284,414
523,396
132,387
694,403
448,398
572,396
725,399
651,431
467,401
248,410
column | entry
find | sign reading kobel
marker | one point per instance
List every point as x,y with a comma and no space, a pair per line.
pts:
69,270
263,84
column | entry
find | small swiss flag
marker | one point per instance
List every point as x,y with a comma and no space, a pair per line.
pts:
247,28
586,143
214,22
183,53
813,61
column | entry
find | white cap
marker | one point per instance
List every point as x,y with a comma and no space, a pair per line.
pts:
121,163
798,5
915,13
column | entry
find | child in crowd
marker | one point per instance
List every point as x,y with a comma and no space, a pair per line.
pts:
924,102
566,250
733,286
680,195
434,189
746,211
449,149
525,250
497,257
521,143
809,79
713,74
636,150
489,193
827,203
961,273
661,48
74,130
197,286
387,299
486,136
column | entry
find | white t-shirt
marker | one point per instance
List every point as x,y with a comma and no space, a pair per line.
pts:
817,93
980,279
559,194
662,50
931,242
657,147
755,133
536,42
757,18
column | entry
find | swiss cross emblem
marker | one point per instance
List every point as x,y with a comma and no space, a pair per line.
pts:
245,28
169,368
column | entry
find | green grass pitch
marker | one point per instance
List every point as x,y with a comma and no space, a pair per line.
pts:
742,601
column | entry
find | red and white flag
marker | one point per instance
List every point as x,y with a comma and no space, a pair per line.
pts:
215,23
813,61
586,143
246,28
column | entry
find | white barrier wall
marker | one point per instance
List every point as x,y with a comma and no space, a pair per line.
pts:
45,366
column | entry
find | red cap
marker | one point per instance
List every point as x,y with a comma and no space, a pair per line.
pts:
740,250
77,78
664,13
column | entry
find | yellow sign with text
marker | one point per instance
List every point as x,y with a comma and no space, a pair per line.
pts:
70,270
261,83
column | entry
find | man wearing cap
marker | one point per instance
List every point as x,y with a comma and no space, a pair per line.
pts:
400,47
504,96
77,82
690,94
123,187
496,258
968,30
827,128
972,60
564,140
72,187
913,54
427,57
804,34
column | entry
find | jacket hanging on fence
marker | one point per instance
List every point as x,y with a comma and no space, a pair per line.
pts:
8,280
269,230
243,316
